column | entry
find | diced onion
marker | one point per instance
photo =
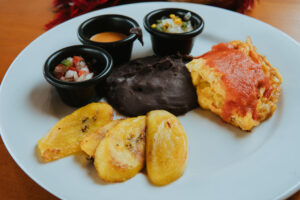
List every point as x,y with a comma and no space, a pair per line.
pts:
89,76
70,74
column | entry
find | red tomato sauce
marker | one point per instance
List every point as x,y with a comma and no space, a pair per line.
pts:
242,78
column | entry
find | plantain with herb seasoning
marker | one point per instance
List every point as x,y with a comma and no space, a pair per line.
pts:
166,147
120,148
65,137
90,141
120,155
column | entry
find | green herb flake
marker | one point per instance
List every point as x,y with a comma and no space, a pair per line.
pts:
158,21
159,28
66,62
184,25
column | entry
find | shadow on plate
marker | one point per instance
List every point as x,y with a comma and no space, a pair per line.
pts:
87,165
144,173
278,112
143,53
205,114
45,99
37,155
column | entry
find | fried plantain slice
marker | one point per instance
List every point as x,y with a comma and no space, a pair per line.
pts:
166,147
65,137
121,154
90,141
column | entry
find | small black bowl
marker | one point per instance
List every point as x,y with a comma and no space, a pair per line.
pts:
120,50
171,43
80,93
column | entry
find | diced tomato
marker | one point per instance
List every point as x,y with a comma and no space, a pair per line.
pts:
77,59
65,71
58,75
73,69
81,72
60,68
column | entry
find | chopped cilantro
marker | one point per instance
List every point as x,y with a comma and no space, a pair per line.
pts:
184,25
159,21
66,62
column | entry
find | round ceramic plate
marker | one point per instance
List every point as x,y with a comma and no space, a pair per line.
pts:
223,163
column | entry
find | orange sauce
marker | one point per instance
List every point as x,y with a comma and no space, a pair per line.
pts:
242,78
108,37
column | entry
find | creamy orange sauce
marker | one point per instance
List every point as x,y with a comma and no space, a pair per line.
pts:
242,78
108,37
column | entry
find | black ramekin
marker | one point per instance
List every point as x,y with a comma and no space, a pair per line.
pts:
120,50
171,43
81,93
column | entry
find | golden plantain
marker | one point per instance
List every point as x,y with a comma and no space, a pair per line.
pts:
121,153
65,137
166,147
90,141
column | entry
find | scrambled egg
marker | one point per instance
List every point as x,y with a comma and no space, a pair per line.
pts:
212,94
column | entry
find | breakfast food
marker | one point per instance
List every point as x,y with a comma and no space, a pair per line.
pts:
166,147
174,24
65,137
121,154
118,147
90,141
152,83
108,37
73,69
237,83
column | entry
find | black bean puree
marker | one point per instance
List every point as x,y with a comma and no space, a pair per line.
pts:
152,83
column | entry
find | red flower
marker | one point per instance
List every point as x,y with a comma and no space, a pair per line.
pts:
67,9
244,5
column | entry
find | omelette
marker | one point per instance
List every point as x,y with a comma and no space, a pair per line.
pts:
235,82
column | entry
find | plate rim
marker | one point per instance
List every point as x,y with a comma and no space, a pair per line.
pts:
284,194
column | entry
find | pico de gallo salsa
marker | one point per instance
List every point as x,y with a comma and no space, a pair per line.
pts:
73,69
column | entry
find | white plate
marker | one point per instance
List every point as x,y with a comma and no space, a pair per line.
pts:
223,163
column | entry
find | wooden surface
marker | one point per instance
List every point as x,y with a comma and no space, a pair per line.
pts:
22,21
